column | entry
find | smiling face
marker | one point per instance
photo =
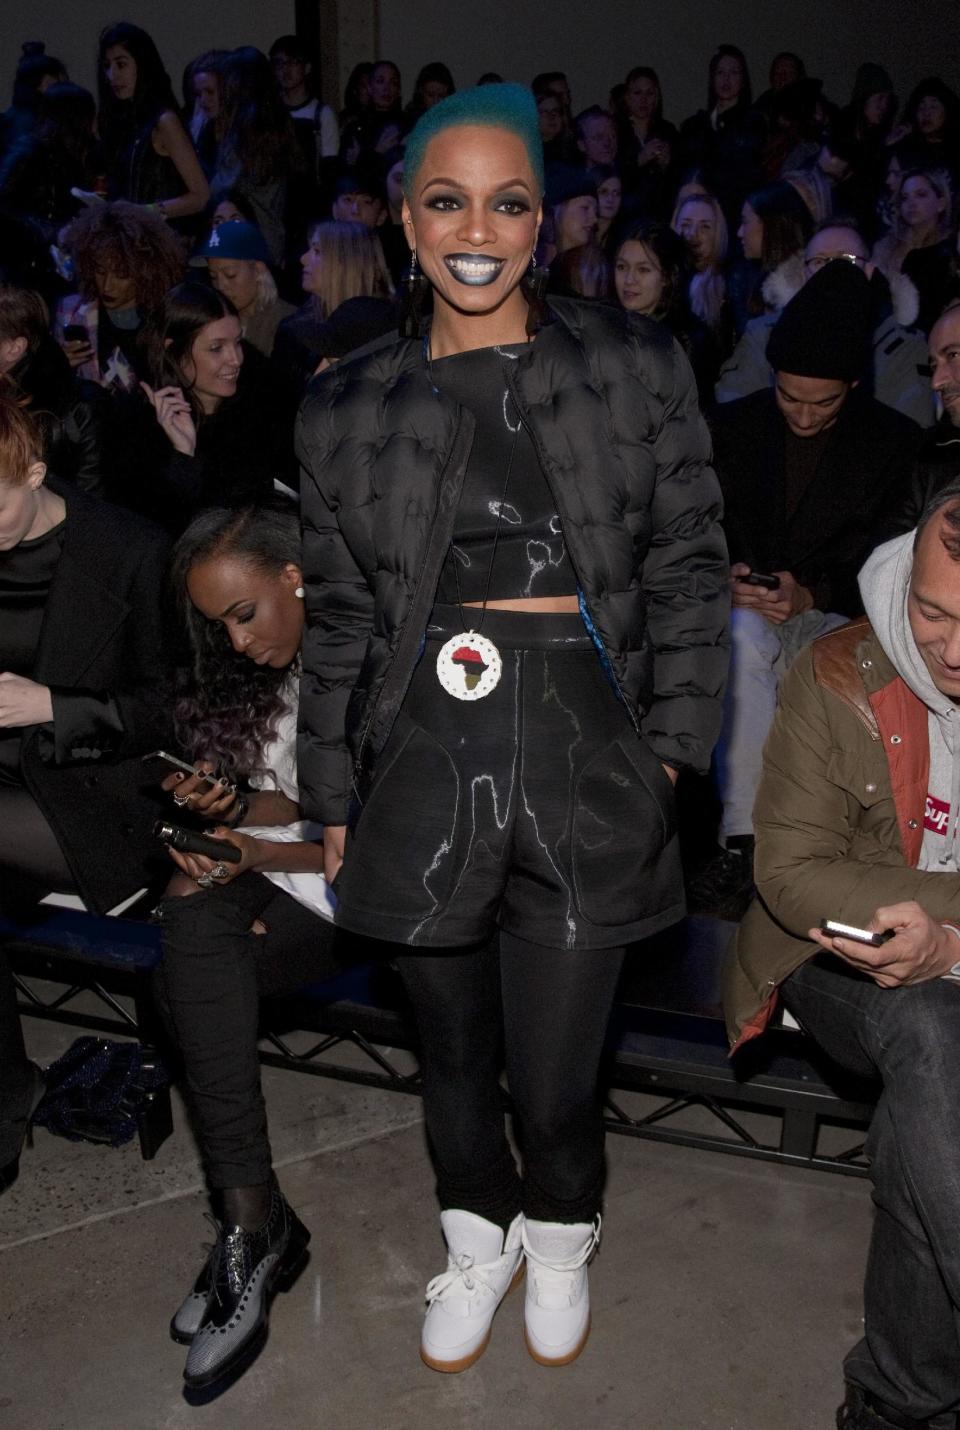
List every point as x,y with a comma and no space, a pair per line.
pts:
236,279
258,609
750,233
920,204
121,70
638,278
473,217
933,607
810,405
214,364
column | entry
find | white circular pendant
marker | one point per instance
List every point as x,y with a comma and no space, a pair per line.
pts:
469,666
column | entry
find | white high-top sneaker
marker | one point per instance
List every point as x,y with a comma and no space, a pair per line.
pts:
483,1264
556,1313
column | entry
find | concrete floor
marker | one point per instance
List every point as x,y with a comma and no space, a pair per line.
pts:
724,1296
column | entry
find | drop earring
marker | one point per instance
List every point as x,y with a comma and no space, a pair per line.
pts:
416,284
300,592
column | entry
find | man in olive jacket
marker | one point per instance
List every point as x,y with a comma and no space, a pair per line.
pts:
857,821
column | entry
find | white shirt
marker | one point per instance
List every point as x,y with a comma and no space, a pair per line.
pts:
279,772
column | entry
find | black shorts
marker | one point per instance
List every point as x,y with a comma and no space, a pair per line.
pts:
538,809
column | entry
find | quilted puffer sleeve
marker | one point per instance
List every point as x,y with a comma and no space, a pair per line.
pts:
686,585
339,619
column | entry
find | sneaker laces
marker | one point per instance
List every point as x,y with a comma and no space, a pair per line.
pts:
464,1277
552,1275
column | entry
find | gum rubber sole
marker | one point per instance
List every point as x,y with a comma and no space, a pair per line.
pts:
453,1367
557,1360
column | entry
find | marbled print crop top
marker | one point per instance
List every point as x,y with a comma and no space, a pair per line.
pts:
531,556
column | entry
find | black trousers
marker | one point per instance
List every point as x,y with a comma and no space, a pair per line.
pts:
31,865
208,986
909,1357
544,1012
509,848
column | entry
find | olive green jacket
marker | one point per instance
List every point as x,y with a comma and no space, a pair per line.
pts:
838,817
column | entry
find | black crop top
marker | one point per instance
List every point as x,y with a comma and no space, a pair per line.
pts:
531,556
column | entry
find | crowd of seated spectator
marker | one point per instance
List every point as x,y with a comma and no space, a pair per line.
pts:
173,276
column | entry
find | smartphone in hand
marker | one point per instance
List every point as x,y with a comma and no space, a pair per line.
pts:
833,929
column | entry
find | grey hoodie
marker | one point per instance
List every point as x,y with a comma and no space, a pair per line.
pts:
884,586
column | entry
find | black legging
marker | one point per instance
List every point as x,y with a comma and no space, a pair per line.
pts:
31,865
546,1010
208,985
31,862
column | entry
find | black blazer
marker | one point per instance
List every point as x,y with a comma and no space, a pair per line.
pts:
864,474
104,654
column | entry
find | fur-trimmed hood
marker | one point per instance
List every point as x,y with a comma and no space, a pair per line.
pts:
787,279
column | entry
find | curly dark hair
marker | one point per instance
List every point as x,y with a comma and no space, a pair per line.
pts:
227,707
127,240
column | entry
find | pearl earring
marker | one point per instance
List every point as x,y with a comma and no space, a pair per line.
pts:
300,593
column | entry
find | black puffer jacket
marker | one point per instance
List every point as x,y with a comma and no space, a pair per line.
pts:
610,403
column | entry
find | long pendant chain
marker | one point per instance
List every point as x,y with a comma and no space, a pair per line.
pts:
469,664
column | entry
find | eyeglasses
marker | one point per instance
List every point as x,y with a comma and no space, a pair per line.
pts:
820,260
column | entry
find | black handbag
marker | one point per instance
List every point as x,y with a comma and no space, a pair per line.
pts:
98,1090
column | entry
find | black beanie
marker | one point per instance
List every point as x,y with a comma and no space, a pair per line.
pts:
825,329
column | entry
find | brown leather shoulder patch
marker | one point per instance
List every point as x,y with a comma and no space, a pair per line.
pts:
836,668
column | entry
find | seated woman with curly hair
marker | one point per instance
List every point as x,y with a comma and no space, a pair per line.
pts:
125,259
233,931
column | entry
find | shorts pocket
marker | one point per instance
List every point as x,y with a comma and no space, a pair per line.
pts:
624,819
399,860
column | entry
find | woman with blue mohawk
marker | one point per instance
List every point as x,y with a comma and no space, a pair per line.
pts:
516,600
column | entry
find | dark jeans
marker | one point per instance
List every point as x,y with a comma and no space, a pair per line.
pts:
909,1358
208,985
546,1010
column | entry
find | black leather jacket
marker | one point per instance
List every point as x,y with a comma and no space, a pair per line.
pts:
611,407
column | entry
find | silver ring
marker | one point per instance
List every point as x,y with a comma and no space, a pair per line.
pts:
219,871
181,799
205,881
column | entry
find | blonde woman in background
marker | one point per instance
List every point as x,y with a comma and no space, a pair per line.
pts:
700,222
343,261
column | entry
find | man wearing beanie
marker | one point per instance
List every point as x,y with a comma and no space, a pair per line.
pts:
809,471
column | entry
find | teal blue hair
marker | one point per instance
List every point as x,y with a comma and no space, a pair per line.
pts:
502,106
